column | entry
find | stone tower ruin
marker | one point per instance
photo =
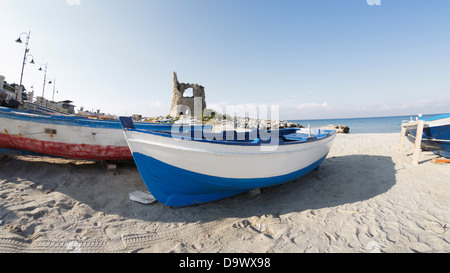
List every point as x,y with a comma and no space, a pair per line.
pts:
188,99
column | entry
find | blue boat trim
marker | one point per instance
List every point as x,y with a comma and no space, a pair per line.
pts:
177,187
57,119
252,138
438,117
247,138
23,115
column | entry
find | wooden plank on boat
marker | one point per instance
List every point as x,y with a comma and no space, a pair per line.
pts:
402,137
412,123
418,144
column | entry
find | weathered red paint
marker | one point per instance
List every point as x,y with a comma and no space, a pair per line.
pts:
75,151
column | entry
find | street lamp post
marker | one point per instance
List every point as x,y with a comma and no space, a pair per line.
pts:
25,54
53,81
45,77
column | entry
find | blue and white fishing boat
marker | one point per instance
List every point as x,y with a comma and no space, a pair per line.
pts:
183,169
436,135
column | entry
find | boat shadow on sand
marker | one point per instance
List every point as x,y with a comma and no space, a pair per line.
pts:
339,180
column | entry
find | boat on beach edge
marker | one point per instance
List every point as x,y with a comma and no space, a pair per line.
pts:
182,169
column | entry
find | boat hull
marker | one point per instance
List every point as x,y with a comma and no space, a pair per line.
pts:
64,136
177,187
186,172
436,136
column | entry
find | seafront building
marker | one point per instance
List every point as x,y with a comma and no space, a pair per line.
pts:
11,95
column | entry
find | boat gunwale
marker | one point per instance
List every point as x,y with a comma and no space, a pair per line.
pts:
438,117
57,119
328,134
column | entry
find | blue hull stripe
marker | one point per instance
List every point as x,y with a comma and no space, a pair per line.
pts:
176,187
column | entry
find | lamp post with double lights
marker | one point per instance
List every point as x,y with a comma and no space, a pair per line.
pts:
53,81
25,55
45,77
19,40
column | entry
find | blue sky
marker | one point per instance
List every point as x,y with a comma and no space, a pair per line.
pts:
315,59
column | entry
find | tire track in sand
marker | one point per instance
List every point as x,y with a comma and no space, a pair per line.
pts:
127,242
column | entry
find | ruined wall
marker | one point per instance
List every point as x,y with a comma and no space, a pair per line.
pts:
193,105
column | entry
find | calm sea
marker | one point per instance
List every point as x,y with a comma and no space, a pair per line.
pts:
364,125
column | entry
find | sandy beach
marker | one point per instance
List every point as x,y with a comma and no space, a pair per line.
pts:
364,198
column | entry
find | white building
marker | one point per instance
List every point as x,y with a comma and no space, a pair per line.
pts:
8,92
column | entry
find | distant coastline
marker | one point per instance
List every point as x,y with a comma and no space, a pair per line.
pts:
370,125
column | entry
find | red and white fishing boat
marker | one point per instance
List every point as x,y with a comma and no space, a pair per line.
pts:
65,136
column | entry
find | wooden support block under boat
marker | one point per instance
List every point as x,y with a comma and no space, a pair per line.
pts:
110,167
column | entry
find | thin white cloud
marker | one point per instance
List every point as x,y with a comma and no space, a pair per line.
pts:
312,106
73,2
